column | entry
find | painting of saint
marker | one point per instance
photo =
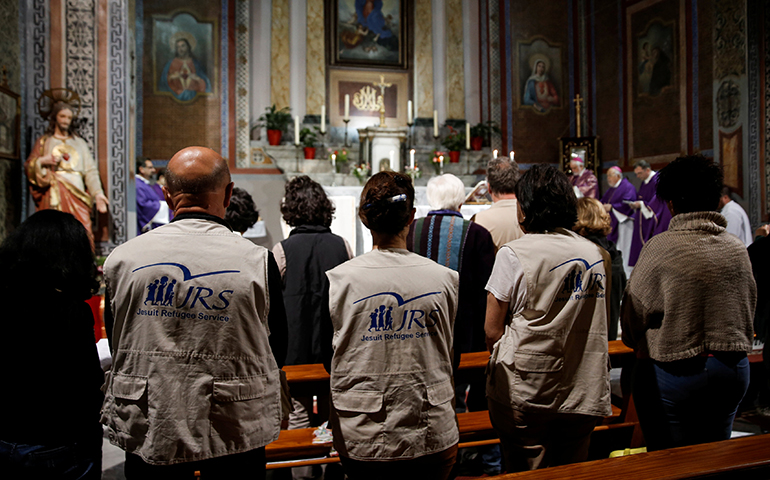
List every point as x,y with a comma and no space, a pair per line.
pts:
183,75
369,32
539,75
655,54
183,56
539,91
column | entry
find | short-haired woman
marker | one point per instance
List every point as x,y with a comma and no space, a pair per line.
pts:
391,371
595,224
303,260
546,326
50,425
688,312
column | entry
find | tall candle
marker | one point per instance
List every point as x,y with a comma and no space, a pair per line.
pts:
392,160
334,163
411,158
435,123
409,112
441,163
467,136
511,155
323,118
494,153
296,129
347,107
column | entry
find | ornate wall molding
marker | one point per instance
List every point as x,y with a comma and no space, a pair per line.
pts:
454,65
767,106
225,62
242,84
80,63
117,119
729,38
423,60
38,65
755,202
315,62
495,87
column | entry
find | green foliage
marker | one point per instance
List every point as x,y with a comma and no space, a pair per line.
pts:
454,141
274,119
484,129
308,137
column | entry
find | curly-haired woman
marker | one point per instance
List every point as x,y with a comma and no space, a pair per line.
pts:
303,260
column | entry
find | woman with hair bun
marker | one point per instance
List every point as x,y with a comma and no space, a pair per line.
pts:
393,314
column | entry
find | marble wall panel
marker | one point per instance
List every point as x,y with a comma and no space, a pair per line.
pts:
280,55
455,69
315,90
423,60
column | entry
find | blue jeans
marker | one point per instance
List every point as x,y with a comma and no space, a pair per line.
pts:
65,462
690,401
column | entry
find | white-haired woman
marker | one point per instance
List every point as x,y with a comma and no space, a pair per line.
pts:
467,248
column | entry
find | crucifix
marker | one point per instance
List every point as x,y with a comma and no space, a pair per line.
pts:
381,101
578,105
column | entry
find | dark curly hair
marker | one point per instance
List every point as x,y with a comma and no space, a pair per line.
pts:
546,199
50,252
383,208
692,184
305,203
242,213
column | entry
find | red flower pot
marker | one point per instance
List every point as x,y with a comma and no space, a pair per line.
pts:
309,152
477,143
454,157
274,137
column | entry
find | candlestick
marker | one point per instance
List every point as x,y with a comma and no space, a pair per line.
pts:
440,164
409,112
334,163
511,155
411,159
296,130
347,108
435,123
323,118
467,136
494,153
346,120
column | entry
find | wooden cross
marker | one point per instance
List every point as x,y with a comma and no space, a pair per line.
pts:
578,105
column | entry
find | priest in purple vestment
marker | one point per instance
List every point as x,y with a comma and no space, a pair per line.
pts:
151,211
583,181
653,214
616,200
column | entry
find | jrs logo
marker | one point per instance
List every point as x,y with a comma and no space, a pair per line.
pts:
382,318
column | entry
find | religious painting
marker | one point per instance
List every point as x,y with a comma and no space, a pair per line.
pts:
540,75
369,33
364,89
655,58
731,158
184,55
656,92
10,111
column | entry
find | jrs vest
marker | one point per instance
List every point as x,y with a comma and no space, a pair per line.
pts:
193,375
391,377
553,354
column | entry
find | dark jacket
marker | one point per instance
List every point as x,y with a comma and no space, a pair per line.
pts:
618,283
311,250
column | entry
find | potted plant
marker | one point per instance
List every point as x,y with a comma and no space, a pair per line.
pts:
308,139
481,132
338,158
454,142
276,121
362,172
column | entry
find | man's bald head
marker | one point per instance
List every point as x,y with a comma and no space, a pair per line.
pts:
198,179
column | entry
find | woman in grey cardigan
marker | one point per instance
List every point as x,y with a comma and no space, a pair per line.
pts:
687,312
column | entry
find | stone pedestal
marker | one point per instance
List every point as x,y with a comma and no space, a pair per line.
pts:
378,143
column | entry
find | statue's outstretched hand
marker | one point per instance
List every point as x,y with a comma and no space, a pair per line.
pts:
101,202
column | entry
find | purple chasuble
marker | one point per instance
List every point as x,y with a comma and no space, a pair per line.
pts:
587,184
646,228
615,196
146,205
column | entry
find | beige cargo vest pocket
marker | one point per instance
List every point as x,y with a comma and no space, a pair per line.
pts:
236,407
536,377
130,405
362,414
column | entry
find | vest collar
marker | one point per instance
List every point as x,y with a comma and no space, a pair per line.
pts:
310,229
445,212
203,216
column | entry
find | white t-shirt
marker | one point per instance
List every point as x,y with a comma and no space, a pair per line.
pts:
507,282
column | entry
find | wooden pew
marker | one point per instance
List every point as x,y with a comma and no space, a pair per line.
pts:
295,447
745,457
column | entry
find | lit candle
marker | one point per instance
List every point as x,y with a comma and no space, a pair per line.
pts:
334,163
323,118
511,155
441,163
467,136
347,107
435,123
409,112
494,153
296,129
411,158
